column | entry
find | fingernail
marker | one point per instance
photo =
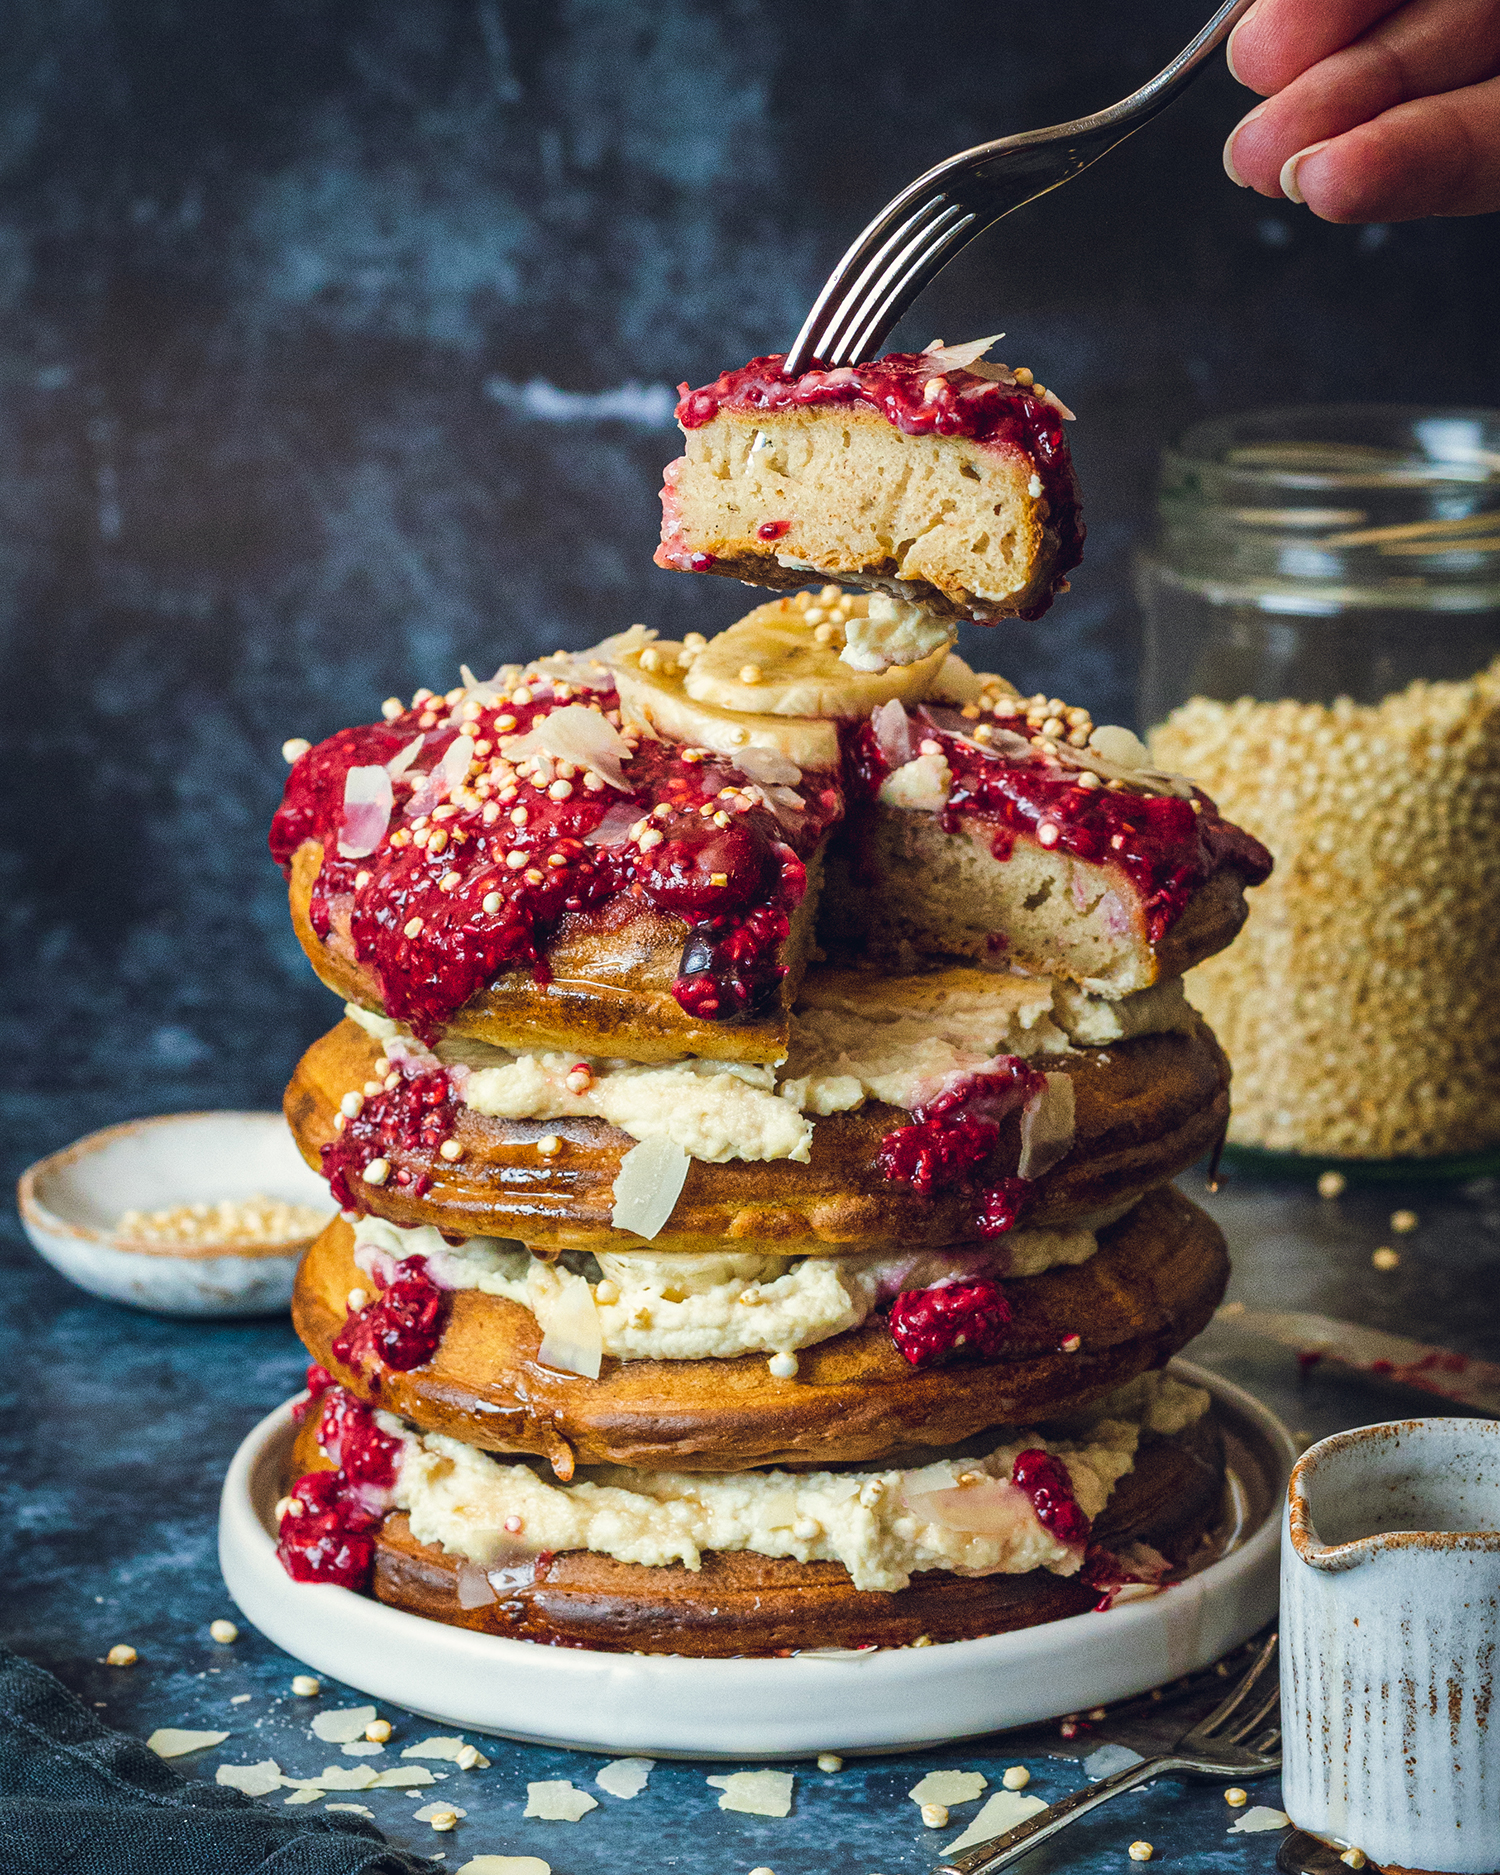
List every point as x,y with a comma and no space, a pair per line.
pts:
1229,48
1288,177
1229,169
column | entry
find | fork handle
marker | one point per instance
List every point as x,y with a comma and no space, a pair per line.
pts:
988,1858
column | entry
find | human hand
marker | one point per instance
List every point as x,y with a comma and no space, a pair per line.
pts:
1376,110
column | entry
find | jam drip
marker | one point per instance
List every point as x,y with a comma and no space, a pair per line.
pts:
955,1133
900,386
400,1329
415,1116
485,862
931,1327
1045,1481
327,1532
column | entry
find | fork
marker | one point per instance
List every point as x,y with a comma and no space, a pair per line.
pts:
1215,1748
915,236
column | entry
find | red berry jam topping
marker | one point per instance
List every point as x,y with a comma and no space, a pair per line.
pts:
400,1329
953,1134
327,1533
468,861
1166,846
414,1117
951,1322
1141,1567
911,392
1045,1481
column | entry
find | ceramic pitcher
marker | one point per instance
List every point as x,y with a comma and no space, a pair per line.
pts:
1390,1633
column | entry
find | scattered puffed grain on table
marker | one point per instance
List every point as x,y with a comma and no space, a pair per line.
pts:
1141,1852
1236,1798
1332,1184
378,1731
1353,1858
1016,1778
223,1632
1385,1258
1404,1222
1357,1006
305,1686
122,1654
830,1761
935,1815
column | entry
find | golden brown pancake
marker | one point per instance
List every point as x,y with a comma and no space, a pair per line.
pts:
741,1603
1145,1109
1151,1286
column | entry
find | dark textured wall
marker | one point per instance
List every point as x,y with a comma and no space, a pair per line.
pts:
335,346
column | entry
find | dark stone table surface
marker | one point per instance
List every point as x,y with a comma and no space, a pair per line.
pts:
122,1424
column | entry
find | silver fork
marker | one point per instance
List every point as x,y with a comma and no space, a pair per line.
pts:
1216,1748
914,237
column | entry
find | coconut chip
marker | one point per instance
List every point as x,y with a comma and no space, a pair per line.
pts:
337,1777
429,1810
168,1741
893,734
368,800
989,1507
405,1777
579,735
343,1725
1002,1812
255,1780
573,1339
767,766
625,1777
963,357
757,1793
648,1185
557,1801
305,1793
362,1748
1047,1127
397,766
356,1809
446,1749
505,1865
1258,1819
949,1787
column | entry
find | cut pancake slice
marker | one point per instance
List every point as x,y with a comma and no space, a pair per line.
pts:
1150,1287
1143,1110
949,487
740,1603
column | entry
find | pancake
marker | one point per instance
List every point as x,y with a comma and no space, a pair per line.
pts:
1145,1109
1151,1286
743,1603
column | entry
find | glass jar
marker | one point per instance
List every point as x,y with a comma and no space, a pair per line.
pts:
1322,655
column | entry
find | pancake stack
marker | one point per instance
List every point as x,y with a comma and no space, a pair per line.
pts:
753,1122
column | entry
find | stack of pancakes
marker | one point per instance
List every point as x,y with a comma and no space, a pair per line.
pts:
753,1127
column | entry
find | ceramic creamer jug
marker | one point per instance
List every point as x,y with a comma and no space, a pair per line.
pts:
1390,1632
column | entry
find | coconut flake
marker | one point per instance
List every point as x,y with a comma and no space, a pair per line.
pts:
757,1793
949,1787
403,1777
1260,1818
960,357
505,1865
304,1793
648,1185
170,1741
446,1749
343,1726
1120,745
584,670
455,763
625,1777
368,800
397,766
1046,1126
557,1801
573,1340
892,728
1002,1812
475,1590
615,826
990,1507
357,1809
575,734
767,766
255,1780
442,1808
362,1748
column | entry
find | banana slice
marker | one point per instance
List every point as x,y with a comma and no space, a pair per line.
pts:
783,659
651,682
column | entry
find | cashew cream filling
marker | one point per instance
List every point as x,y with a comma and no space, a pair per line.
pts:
654,1306
884,1526
852,1040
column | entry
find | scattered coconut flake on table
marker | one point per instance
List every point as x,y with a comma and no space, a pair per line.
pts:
429,1810
647,1186
556,1801
358,1809
343,1726
1003,1811
240,1699
446,1749
625,1777
168,1741
949,1787
309,1794
505,1865
255,1780
337,1777
757,1793
362,1748
406,1777
1260,1818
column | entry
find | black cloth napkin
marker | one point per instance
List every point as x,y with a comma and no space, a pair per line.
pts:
78,1797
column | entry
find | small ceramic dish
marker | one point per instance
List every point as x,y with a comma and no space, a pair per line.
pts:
71,1204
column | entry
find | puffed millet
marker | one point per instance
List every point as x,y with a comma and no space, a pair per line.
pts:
1332,1184
1016,1778
223,1632
1353,1858
1385,823
1141,1852
443,1820
1385,1258
935,1815
1236,1798
122,1654
306,1686
1404,1222
378,1731
830,1761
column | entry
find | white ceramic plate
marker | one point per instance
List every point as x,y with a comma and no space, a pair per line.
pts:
71,1202
666,1705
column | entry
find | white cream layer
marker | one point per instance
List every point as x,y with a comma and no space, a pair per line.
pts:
692,1307
496,1511
852,1040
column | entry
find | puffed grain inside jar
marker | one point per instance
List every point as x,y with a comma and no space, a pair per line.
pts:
1323,657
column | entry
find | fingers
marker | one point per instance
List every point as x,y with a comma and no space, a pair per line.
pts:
1434,156
1278,40
1430,48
